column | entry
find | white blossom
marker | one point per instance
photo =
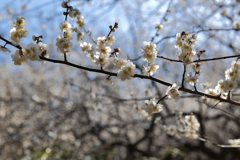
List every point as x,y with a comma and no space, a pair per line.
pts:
230,74
105,50
192,80
150,70
16,33
192,126
110,40
152,107
173,92
171,130
185,42
126,71
100,59
149,52
86,47
63,44
234,141
235,65
68,34
80,21
108,80
18,58
79,36
64,26
211,91
195,66
119,62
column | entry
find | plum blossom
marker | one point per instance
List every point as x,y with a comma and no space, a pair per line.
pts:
149,52
152,107
80,21
185,42
64,45
64,26
150,70
192,80
18,57
119,62
86,47
127,71
234,141
192,126
16,33
171,130
173,92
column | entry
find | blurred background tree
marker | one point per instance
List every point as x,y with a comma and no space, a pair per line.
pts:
58,112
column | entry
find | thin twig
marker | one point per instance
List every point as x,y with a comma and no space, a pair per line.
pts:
162,99
65,57
8,42
183,75
218,145
163,19
199,31
200,60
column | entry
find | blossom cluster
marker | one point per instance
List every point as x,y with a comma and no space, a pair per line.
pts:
101,53
192,126
234,141
126,69
187,126
149,54
18,32
224,86
231,76
103,50
150,106
32,51
192,77
64,44
63,41
185,43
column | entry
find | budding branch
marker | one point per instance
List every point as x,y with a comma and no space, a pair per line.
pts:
139,75
142,77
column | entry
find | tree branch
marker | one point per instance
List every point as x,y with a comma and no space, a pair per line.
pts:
201,60
142,77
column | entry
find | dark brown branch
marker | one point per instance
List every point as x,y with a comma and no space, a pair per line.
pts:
8,42
201,60
199,31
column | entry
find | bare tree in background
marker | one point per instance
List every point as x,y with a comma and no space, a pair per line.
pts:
120,80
